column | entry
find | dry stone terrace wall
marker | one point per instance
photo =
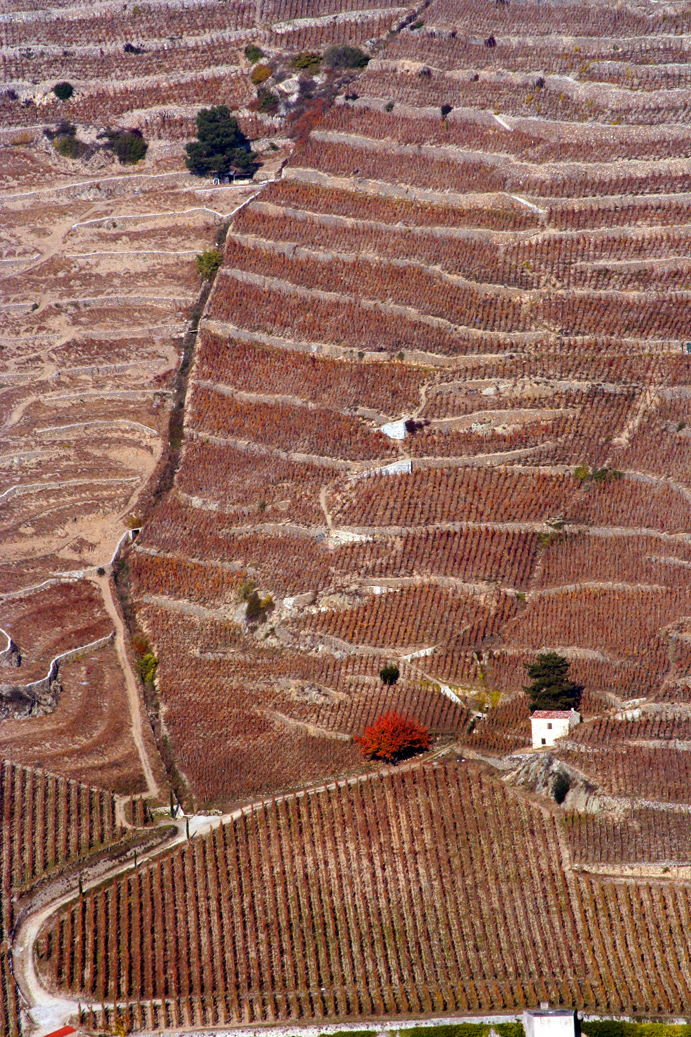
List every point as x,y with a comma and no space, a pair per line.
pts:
155,64
511,278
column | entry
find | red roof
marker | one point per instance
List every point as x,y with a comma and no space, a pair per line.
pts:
552,714
64,1031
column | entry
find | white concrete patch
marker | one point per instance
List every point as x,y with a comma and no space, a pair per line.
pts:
529,205
394,429
345,536
420,654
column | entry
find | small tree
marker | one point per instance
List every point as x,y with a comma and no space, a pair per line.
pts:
253,53
446,109
63,91
389,673
267,101
343,56
550,687
208,263
393,737
221,146
128,145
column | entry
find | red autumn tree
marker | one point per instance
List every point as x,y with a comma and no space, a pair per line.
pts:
392,737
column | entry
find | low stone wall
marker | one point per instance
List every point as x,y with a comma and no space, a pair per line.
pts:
39,697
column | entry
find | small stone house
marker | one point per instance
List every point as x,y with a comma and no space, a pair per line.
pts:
547,1022
550,724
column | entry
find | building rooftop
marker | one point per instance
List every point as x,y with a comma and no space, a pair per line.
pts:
552,714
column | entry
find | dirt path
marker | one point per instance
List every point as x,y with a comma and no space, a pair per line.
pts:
131,684
49,1010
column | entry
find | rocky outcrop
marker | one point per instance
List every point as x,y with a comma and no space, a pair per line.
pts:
539,772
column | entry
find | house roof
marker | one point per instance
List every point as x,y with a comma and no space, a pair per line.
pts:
552,714
64,1031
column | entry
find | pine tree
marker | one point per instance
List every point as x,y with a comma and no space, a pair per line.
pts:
221,146
550,687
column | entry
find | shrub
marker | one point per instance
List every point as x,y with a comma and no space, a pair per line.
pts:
267,101
254,606
560,787
581,473
253,53
128,146
221,146
309,59
615,1028
147,665
389,673
343,56
260,74
417,24
208,263
245,589
446,109
65,142
490,41
63,91
393,737
389,106
68,146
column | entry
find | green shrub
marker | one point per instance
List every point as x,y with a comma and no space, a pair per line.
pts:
344,56
417,24
581,473
208,263
614,1028
147,665
128,146
267,101
309,59
509,1029
451,1030
389,673
221,146
63,91
253,53
68,146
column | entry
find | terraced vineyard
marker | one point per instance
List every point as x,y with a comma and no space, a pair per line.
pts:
46,822
362,900
436,413
439,403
